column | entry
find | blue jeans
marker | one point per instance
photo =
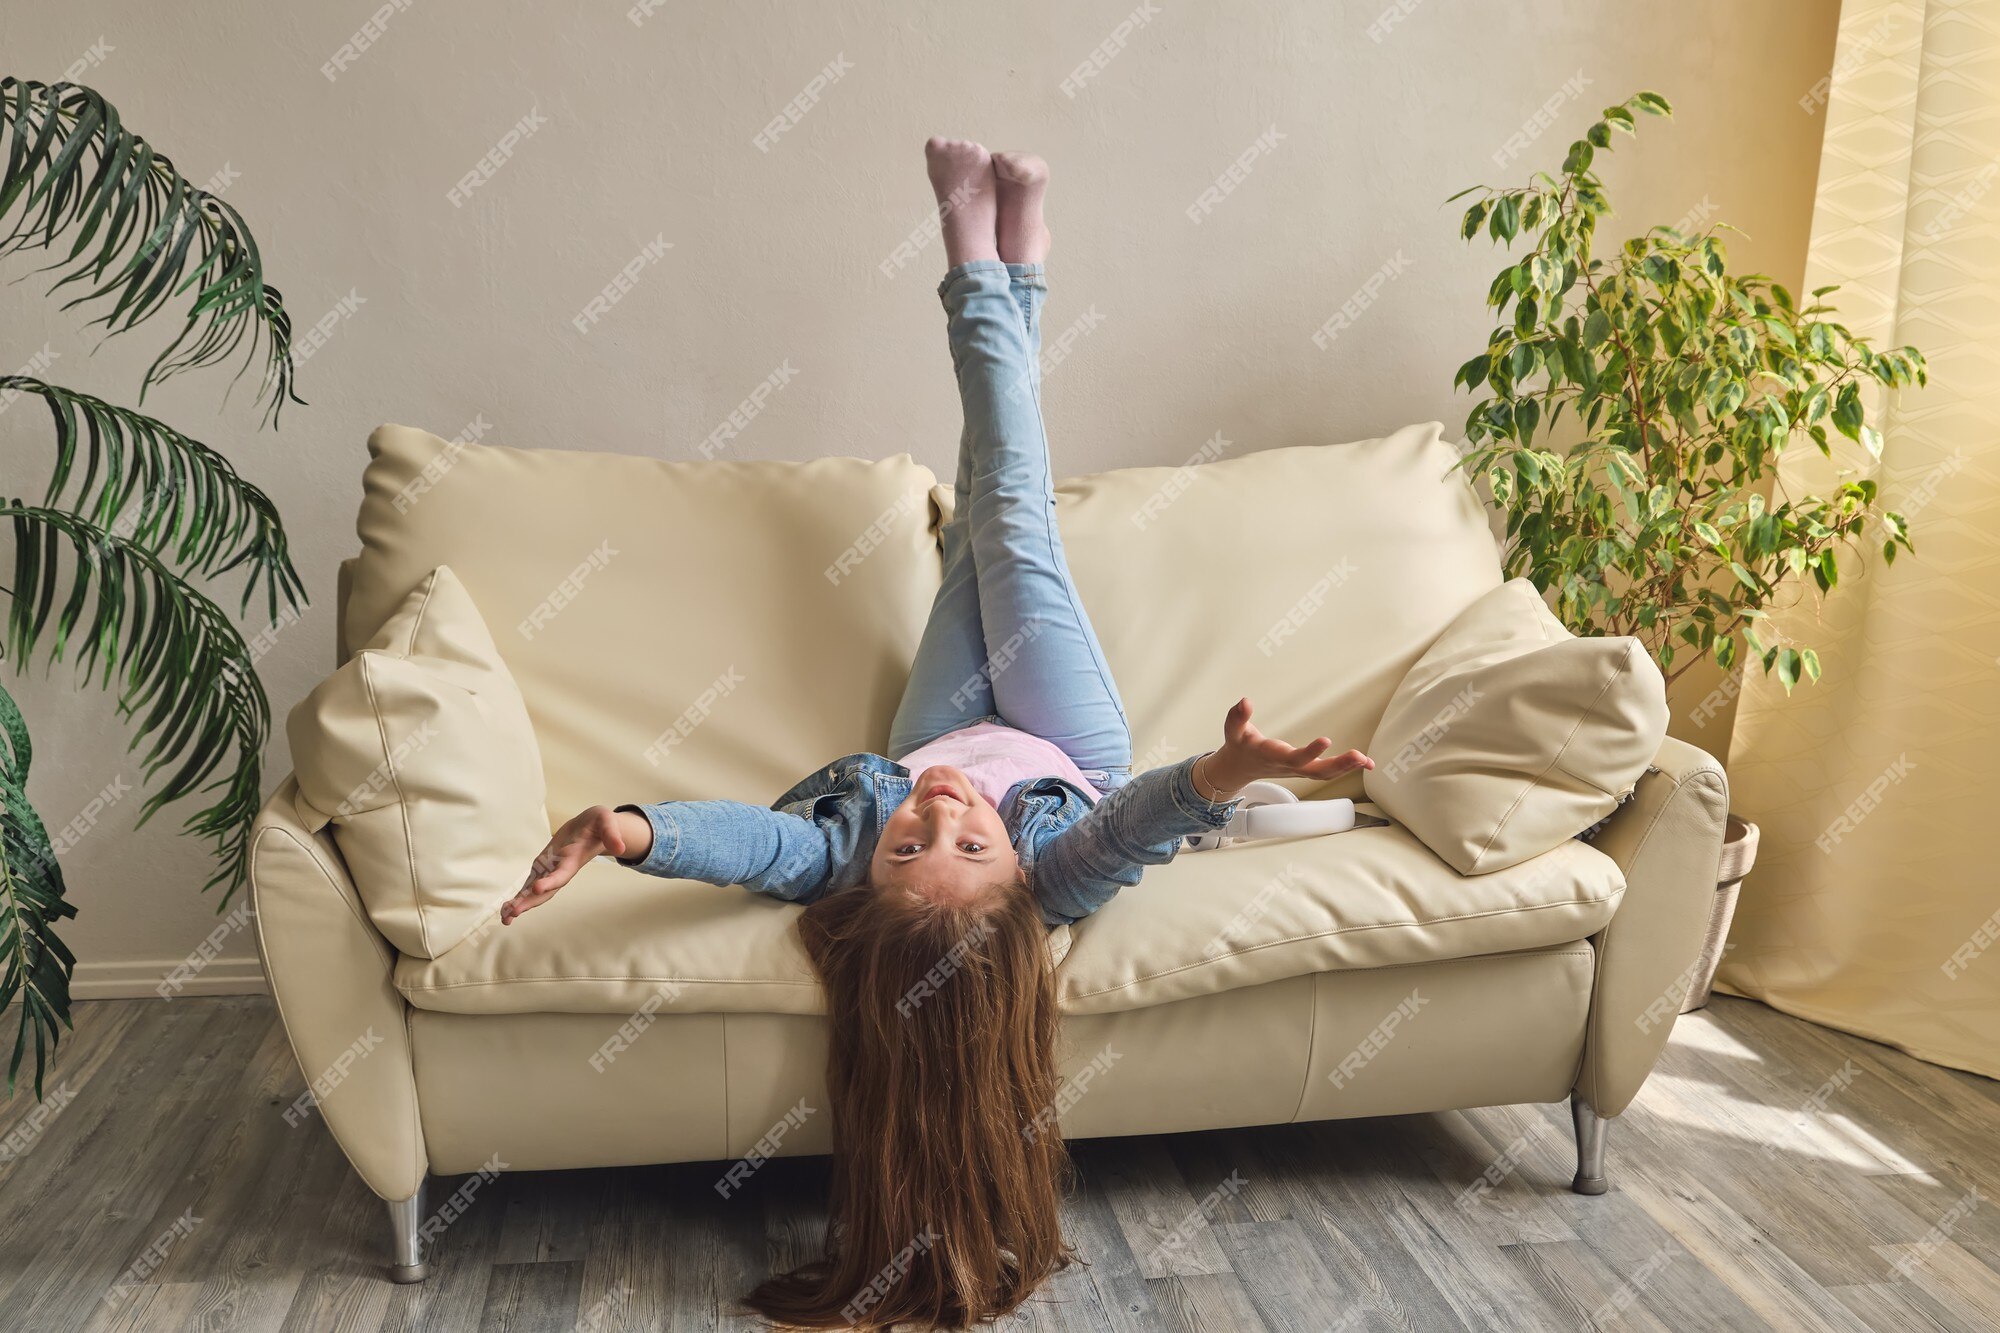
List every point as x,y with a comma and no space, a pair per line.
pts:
1007,636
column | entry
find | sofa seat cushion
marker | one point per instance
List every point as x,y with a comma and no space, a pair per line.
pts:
616,942
1372,897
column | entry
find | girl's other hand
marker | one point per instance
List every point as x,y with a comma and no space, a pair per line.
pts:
1247,754
598,831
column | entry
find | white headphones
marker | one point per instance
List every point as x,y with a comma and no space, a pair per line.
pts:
1270,810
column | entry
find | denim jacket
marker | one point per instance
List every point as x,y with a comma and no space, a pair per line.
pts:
819,837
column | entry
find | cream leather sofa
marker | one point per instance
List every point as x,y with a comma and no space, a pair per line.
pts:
717,629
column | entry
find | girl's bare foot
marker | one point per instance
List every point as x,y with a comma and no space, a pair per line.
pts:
962,178
1022,179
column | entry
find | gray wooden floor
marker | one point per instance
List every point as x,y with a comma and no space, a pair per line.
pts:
1773,1175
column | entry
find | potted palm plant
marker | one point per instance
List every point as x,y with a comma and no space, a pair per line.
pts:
1632,410
133,513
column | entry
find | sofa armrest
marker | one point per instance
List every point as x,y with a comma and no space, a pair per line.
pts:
332,974
1668,841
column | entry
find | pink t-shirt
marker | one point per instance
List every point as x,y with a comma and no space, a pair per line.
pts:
996,757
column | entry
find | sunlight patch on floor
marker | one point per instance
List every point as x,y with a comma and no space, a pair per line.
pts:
1815,1127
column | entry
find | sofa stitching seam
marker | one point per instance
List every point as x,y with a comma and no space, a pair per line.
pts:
1312,1043
725,1083
527,981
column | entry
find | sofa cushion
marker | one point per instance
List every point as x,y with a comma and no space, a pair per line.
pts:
673,626
1371,897
1512,734
618,942
419,752
1308,578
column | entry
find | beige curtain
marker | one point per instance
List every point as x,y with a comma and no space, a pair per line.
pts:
1873,903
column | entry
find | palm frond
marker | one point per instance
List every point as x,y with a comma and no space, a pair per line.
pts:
177,497
35,966
145,235
188,682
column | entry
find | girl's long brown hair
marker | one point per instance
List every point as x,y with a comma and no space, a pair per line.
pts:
948,1169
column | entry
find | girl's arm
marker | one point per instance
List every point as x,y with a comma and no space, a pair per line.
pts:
1143,822
732,842
716,842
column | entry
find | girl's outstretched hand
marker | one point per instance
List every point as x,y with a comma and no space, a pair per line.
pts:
1247,754
598,831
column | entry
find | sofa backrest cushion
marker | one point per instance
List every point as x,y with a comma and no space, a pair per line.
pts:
1512,735
418,751
1308,578
679,630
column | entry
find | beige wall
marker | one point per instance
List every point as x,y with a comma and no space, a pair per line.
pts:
466,312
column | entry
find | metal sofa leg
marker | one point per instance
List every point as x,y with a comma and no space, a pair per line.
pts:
1589,1147
406,1244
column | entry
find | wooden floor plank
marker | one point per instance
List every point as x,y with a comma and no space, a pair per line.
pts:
1164,1219
328,1302
1107,1290
1773,1174
1286,1279
1205,1303
532,1297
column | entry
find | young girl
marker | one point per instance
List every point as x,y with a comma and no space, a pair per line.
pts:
931,877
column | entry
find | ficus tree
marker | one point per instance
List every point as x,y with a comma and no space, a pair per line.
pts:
112,555
1655,508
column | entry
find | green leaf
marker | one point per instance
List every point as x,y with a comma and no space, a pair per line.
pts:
36,968
145,236
1847,411
1787,668
1527,413
186,678
1810,661
163,490
1474,216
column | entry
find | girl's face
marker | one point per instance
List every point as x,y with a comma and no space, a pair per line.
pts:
944,839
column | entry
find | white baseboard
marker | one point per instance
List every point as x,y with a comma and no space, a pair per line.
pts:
141,979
